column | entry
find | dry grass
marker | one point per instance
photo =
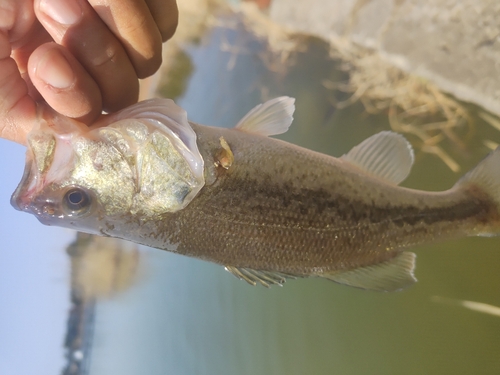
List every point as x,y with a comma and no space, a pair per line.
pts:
413,105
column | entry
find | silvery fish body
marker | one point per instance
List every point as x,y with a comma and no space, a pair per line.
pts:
265,209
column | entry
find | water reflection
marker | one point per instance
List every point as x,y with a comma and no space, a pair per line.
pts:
101,267
471,305
188,316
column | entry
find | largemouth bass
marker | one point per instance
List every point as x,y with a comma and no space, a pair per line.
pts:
265,209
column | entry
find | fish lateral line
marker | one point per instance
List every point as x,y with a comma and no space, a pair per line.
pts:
152,177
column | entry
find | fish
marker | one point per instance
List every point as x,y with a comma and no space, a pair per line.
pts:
265,209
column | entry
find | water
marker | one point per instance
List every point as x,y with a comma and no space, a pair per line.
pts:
186,316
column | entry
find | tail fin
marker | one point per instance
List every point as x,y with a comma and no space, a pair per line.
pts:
486,175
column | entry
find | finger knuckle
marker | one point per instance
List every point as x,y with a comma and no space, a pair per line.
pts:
150,65
108,55
167,30
167,19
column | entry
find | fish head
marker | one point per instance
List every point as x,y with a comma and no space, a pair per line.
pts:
111,177
72,177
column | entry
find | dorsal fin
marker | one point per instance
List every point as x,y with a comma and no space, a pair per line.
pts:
386,155
265,278
270,118
389,276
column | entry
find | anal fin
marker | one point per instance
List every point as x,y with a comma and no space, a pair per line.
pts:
392,275
254,277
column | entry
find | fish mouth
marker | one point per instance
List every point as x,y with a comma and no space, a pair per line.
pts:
45,212
21,197
24,197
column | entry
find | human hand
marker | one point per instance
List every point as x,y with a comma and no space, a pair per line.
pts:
79,56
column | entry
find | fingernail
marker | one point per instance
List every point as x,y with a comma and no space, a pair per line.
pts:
66,12
54,69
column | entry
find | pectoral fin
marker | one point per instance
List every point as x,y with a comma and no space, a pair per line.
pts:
265,278
270,118
389,276
386,155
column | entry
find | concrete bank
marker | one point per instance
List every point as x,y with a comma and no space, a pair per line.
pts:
452,43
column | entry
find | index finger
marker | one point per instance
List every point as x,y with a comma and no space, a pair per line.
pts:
133,24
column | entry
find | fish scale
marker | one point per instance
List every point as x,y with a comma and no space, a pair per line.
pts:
265,209
265,228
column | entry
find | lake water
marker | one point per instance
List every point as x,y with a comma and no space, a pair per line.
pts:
185,316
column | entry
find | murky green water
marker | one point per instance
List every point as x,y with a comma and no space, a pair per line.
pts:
185,316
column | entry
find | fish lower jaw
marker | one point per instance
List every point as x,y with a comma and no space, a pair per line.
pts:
46,216
23,203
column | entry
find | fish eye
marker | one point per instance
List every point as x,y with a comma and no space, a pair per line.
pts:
76,201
